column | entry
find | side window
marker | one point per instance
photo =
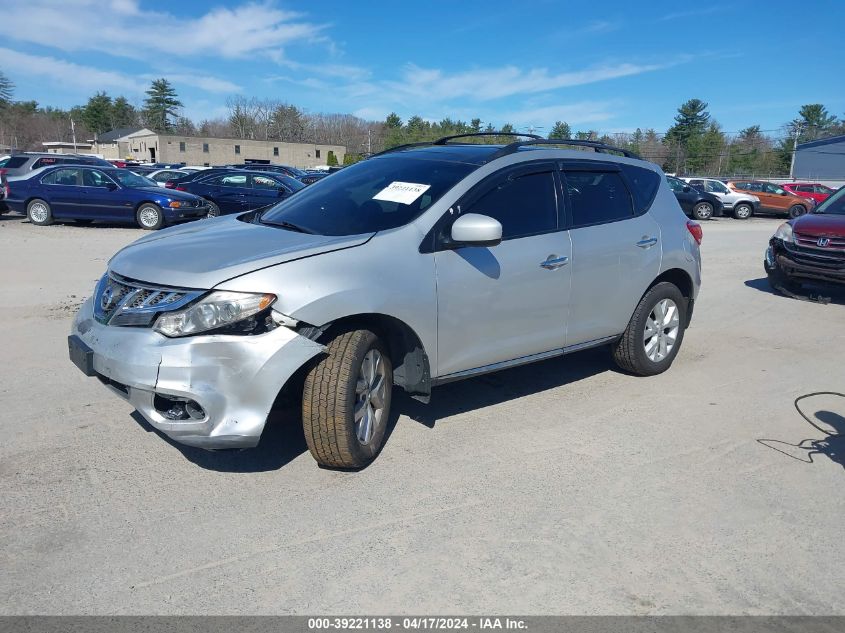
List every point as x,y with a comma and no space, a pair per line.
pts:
63,177
263,182
13,162
675,185
94,178
697,183
44,162
645,183
714,186
597,197
525,205
234,180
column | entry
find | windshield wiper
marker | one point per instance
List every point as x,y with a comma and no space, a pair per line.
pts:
290,226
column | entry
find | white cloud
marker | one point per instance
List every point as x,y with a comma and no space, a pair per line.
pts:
485,84
68,73
122,28
203,82
573,113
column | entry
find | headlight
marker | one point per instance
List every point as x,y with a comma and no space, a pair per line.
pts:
217,310
784,232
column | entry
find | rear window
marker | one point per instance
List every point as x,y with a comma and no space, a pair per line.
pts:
373,195
13,162
645,183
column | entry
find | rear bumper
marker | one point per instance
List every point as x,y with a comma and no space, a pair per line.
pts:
233,379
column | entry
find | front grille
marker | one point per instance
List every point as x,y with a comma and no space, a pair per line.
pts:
827,259
812,241
121,301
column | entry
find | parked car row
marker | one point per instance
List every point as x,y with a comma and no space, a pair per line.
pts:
744,198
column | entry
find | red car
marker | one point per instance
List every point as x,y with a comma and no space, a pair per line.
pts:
811,190
809,248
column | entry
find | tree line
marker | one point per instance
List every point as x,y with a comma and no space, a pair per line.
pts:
694,144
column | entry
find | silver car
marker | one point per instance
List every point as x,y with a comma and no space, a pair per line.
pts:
417,267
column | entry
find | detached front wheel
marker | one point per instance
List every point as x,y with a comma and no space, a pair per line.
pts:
655,332
346,401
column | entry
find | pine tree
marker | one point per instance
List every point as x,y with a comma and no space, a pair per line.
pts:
97,113
813,122
123,113
7,90
161,105
561,130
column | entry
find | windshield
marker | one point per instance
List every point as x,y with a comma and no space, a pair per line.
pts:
835,205
373,195
130,179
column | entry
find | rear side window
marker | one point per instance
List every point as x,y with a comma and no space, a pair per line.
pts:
524,205
597,197
62,177
645,183
714,186
46,161
13,162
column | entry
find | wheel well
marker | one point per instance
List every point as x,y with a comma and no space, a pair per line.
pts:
143,202
411,369
682,281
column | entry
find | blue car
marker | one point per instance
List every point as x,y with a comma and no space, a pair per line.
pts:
239,190
86,194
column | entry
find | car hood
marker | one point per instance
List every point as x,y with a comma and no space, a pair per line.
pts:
205,253
820,225
167,193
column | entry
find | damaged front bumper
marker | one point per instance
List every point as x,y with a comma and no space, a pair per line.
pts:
231,380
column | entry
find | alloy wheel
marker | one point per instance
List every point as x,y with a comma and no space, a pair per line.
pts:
148,217
661,330
38,212
369,396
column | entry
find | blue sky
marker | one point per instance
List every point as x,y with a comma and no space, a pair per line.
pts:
611,66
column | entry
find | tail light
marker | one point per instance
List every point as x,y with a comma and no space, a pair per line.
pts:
695,230
170,184
179,188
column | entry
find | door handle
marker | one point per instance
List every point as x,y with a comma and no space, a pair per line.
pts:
647,242
553,262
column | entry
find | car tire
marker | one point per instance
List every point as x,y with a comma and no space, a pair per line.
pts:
39,212
702,211
351,381
213,210
662,312
743,211
149,216
796,209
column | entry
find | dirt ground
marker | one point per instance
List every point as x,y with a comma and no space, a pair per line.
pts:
564,487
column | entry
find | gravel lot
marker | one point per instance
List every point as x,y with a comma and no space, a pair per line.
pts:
559,488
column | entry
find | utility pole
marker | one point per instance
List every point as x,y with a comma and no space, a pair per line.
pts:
794,151
369,142
73,131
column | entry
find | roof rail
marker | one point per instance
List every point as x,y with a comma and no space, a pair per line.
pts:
603,148
445,140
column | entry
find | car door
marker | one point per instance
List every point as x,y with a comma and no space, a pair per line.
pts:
62,188
101,197
228,191
777,198
616,248
684,193
508,301
265,190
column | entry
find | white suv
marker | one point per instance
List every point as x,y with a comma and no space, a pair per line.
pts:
742,205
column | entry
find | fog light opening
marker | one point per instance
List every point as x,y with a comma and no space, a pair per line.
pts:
178,409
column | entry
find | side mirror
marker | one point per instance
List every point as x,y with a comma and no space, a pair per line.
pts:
687,189
111,186
474,229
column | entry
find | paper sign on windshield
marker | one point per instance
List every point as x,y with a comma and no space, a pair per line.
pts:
401,192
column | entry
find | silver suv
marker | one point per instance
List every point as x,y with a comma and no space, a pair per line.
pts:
24,163
420,266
